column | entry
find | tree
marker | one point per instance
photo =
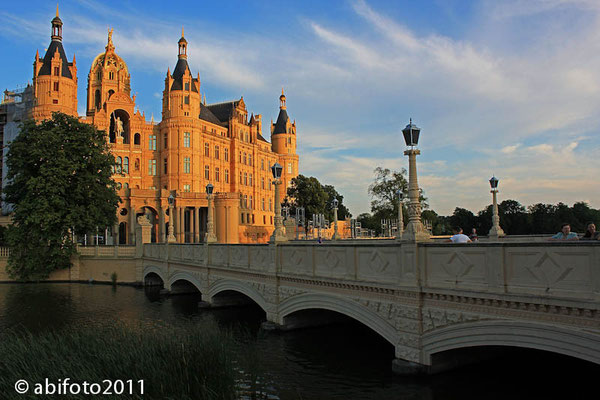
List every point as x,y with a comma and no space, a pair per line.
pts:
59,183
308,192
384,193
343,211
463,218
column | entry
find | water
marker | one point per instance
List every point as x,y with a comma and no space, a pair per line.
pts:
346,361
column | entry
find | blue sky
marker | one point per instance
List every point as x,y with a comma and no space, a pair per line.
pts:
510,88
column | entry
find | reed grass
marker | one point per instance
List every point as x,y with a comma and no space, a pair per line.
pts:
186,361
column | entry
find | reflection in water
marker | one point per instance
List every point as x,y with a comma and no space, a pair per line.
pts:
346,361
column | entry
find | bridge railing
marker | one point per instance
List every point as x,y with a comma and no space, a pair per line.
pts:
557,270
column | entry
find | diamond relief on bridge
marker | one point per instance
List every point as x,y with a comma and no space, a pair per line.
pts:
260,257
187,253
331,259
457,266
238,256
219,255
548,272
377,262
296,257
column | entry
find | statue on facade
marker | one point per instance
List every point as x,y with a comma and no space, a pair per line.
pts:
119,127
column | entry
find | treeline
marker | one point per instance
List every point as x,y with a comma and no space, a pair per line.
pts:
515,219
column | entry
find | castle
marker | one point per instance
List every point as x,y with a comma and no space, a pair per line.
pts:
193,145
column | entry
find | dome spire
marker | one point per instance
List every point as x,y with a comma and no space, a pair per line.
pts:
110,45
282,100
57,27
182,45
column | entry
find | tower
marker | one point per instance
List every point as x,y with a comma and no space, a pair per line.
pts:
180,125
283,142
181,97
108,75
54,78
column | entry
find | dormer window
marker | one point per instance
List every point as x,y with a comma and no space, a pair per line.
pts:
56,71
187,86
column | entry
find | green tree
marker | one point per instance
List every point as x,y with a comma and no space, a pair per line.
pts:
464,219
316,198
384,194
59,175
343,211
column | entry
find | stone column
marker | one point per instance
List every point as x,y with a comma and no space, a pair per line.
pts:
336,234
116,234
414,230
496,231
132,225
161,224
279,232
181,224
197,225
210,235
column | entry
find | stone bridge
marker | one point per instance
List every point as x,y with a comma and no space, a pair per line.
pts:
425,299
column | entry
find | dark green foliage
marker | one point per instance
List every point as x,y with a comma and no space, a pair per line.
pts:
384,195
189,361
308,192
343,211
59,175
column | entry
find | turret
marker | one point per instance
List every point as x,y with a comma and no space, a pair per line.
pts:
283,142
283,132
181,97
54,78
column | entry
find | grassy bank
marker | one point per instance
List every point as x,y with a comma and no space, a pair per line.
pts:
186,361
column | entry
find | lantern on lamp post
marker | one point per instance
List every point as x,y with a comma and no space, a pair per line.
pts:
279,232
414,230
496,231
210,227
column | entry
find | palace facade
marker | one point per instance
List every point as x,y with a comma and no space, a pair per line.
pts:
193,145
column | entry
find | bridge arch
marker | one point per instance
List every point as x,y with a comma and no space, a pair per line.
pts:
341,305
574,343
236,286
185,276
151,269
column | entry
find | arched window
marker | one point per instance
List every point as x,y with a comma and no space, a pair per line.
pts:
110,93
97,99
126,165
245,158
137,139
250,159
119,165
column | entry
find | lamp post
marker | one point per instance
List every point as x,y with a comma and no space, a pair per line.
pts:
336,234
170,234
400,219
279,232
414,230
210,235
496,231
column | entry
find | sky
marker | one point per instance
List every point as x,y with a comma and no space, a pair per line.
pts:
508,88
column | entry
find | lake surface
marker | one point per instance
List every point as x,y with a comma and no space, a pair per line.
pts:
346,361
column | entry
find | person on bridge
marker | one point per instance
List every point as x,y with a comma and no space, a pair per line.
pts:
565,233
590,233
458,236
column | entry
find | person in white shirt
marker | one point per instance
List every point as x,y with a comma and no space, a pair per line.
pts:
458,236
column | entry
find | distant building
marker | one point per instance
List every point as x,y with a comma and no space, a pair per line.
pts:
194,144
